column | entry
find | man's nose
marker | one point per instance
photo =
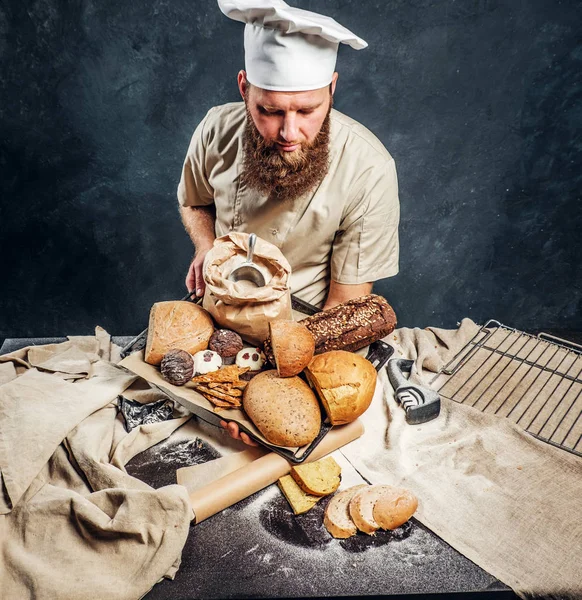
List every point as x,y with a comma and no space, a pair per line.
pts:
289,131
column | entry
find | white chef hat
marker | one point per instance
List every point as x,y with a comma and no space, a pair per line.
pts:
286,48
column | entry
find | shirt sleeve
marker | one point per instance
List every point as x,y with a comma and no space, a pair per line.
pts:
194,188
366,246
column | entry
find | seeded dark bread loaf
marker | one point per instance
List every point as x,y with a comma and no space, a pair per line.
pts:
348,326
351,325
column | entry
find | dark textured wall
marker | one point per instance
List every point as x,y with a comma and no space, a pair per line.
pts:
479,101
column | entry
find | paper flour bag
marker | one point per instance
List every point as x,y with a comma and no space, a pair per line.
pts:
240,305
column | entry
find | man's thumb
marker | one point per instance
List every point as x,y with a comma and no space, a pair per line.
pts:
199,278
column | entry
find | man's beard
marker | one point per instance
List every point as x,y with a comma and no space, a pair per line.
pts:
284,175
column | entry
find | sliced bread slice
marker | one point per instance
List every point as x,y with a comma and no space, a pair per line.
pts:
362,508
337,518
320,478
300,501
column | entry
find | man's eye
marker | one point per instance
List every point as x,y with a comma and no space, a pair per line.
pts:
264,111
305,112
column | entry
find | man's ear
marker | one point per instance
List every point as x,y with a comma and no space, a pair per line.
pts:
242,83
333,82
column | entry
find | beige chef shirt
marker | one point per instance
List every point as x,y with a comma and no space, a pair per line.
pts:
345,230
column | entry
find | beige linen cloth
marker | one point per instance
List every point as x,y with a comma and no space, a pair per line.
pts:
502,498
73,523
507,501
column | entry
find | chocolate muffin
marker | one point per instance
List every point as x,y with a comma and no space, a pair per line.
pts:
227,343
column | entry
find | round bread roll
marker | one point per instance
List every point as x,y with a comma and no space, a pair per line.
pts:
293,347
345,383
284,410
177,367
337,518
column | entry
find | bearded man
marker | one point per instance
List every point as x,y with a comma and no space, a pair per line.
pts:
285,165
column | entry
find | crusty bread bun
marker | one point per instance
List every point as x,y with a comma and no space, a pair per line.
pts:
284,410
293,347
395,508
337,518
177,324
345,383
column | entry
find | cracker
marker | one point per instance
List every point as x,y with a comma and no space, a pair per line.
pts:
221,403
221,395
228,374
225,388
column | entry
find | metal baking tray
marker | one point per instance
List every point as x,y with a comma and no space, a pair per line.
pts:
535,381
378,354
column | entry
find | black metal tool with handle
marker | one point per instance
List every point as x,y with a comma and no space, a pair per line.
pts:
420,404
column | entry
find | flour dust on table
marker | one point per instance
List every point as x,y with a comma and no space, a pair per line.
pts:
158,464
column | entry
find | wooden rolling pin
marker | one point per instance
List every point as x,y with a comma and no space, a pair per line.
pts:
264,471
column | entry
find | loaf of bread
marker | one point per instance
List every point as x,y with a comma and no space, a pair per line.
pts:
337,518
348,326
284,409
368,508
292,345
345,383
177,324
319,478
351,325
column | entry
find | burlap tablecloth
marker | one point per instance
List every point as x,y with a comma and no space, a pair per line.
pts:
507,501
73,523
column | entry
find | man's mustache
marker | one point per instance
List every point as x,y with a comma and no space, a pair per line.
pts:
284,175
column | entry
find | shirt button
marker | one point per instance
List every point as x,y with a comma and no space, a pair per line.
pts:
274,231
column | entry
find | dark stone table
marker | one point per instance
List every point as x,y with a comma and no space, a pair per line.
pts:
259,549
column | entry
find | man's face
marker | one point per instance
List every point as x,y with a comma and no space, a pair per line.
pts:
288,120
286,139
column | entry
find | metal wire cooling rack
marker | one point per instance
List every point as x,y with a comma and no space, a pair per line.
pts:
536,381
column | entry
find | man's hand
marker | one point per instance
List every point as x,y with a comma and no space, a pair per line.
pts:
342,292
199,223
195,277
234,433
